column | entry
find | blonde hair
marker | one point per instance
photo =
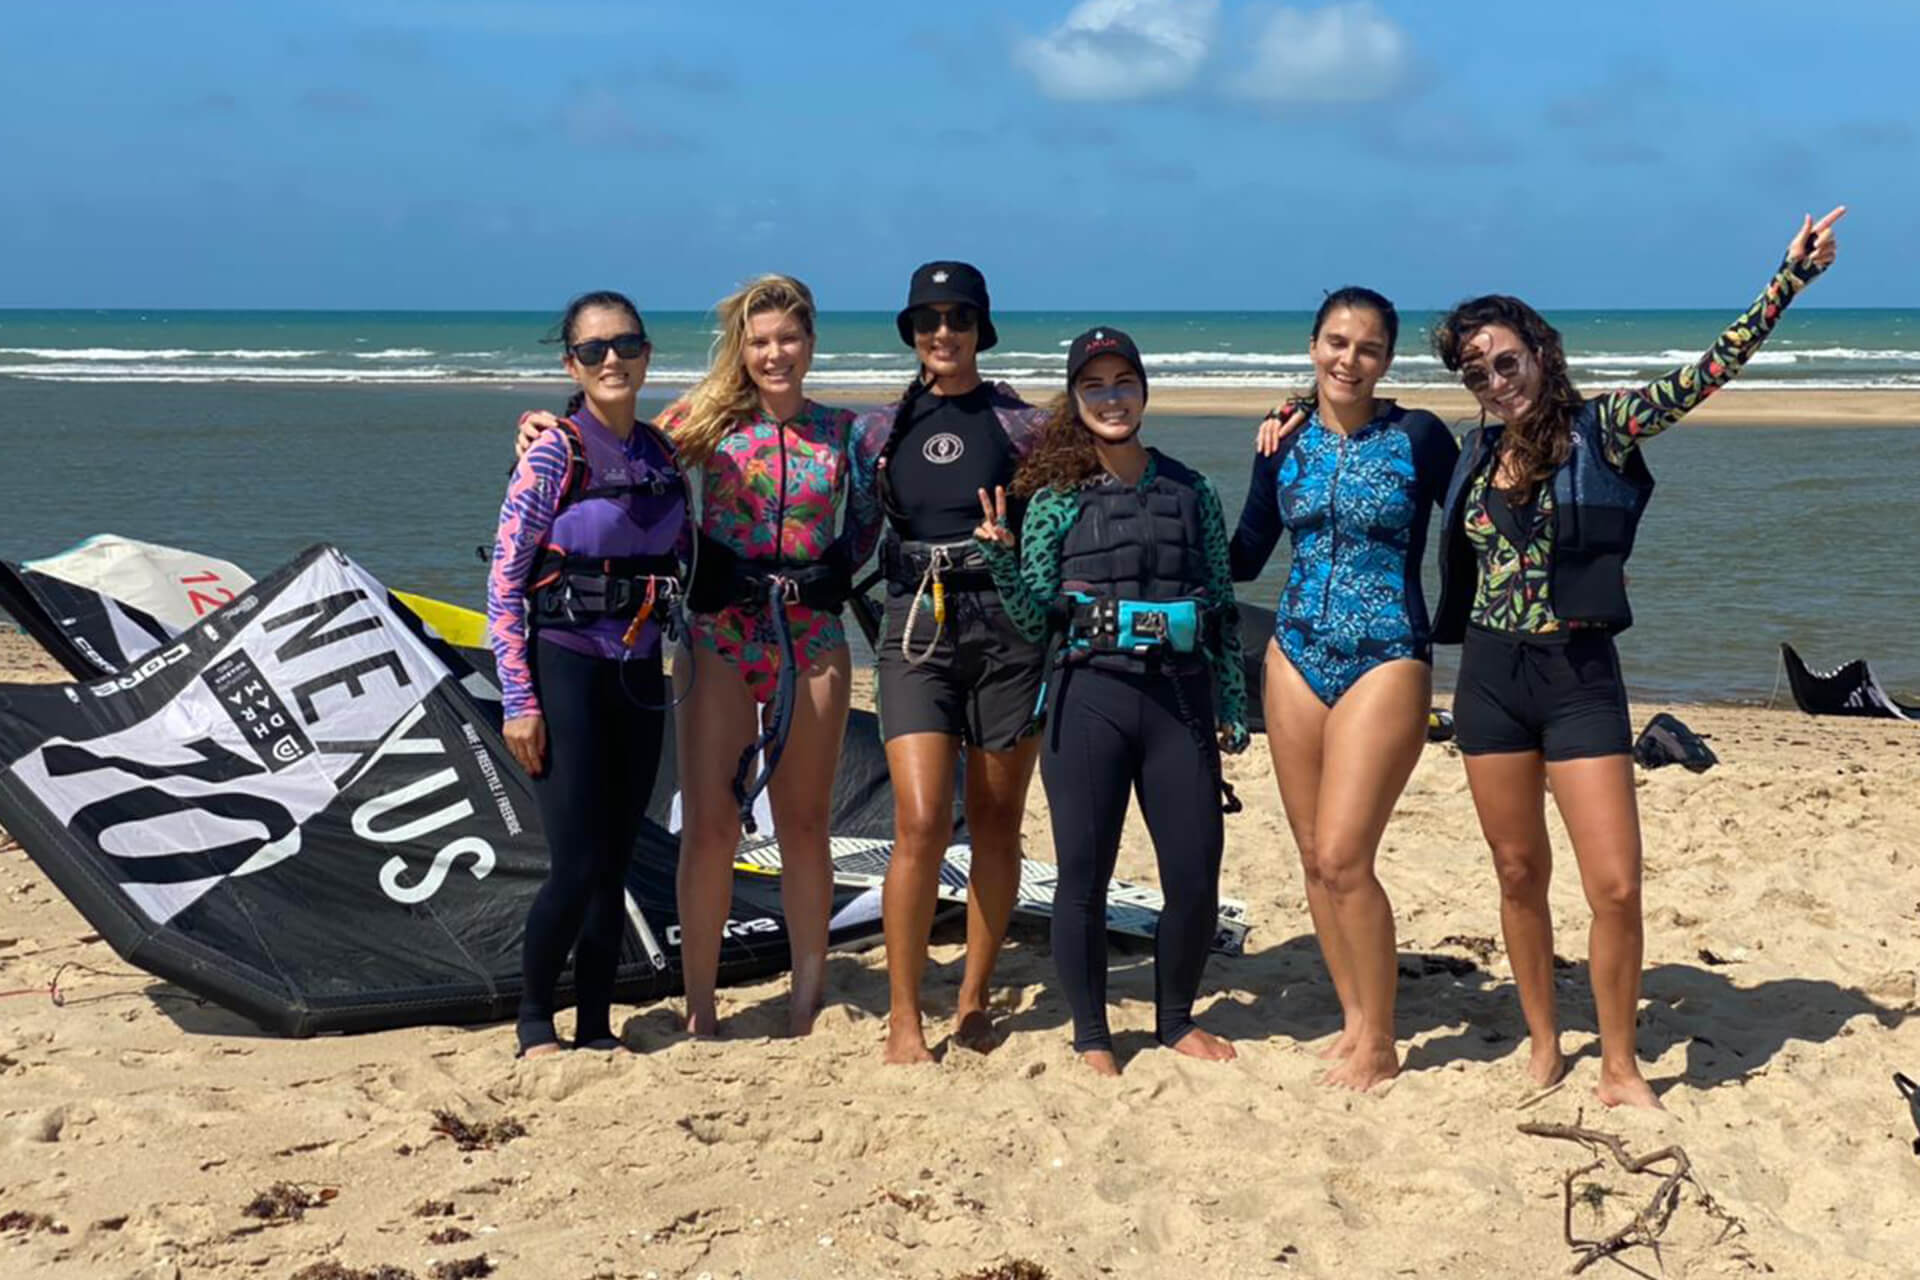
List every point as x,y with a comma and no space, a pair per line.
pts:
726,394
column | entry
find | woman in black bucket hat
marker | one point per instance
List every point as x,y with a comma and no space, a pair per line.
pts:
954,672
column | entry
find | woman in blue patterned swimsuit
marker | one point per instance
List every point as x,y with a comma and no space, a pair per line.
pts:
1349,673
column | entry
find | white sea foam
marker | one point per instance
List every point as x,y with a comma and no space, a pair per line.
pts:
397,353
157,353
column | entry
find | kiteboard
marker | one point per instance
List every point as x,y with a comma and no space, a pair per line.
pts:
1133,910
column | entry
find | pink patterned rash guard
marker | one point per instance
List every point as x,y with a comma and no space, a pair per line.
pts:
774,491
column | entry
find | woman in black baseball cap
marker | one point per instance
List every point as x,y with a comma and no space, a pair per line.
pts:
1123,559
954,672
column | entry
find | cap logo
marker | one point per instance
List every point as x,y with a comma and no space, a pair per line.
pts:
939,277
1099,334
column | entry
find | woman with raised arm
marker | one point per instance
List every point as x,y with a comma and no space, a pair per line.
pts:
955,673
586,567
1539,520
1349,672
769,665
1123,557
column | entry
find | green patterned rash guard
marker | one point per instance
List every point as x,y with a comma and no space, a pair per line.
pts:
1513,581
1029,580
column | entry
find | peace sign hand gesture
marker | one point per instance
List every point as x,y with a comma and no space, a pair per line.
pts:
993,519
1814,242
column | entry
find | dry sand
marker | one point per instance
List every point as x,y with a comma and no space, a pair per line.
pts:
1783,949
1739,405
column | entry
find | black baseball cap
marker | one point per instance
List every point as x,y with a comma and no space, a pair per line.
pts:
956,282
1103,340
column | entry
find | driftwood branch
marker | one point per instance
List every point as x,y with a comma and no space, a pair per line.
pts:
1652,1220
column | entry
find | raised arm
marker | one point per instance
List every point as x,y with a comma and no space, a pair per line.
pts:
1028,578
1631,417
1229,672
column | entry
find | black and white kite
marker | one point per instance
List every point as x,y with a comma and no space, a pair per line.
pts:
293,808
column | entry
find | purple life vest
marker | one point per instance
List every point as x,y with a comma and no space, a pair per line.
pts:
622,515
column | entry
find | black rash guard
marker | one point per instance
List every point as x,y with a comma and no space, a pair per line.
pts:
953,447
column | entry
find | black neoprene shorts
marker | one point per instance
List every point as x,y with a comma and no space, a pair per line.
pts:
980,683
1558,693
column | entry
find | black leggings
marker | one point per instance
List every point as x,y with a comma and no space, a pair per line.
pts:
1112,735
603,748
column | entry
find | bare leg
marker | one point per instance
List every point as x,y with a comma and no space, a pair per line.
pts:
997,784
801,793
1296,721
1509,794
720,704
1373,739
920,766
1596,799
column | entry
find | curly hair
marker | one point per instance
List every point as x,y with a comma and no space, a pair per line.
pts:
726,394
1063,459
1541,441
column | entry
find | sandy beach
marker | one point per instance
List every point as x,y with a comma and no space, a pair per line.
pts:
1738,405
1783,951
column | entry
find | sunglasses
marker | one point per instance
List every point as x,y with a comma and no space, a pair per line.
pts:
1479,376
960,319
1111,392
593,352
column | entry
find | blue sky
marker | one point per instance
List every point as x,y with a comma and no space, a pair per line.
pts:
1135,154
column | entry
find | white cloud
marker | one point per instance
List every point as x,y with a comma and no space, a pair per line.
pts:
1343,53
1121,48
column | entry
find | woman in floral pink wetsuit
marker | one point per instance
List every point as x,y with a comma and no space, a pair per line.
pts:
771,466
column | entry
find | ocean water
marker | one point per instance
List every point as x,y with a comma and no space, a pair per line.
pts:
1756,534
1811,348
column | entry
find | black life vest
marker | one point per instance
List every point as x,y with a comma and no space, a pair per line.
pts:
1596,513
1144,542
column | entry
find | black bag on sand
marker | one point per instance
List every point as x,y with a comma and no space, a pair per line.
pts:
1666,741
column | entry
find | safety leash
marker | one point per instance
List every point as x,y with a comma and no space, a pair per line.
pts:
772,742
937,564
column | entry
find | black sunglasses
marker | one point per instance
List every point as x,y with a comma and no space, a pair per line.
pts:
593,352
1479,376
927,320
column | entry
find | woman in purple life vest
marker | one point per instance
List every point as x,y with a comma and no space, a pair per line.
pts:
586,561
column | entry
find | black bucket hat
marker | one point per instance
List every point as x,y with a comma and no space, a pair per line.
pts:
1104,340
956,282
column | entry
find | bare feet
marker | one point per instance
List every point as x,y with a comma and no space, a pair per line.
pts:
703,1022
1365,1068
1101,1062
1546,1065
1344,1044
541,1050
906,1042
603,1044
1626,1089
805,995
973,1029
1205,1046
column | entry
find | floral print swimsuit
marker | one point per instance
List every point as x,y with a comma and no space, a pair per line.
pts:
772,491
